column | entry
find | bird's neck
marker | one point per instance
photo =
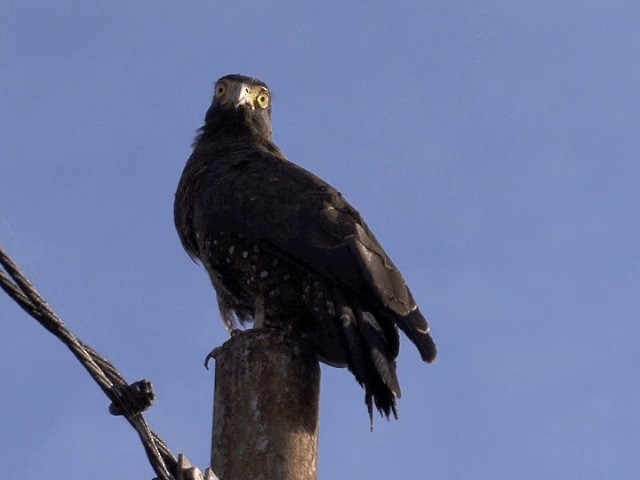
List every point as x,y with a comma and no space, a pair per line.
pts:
231,139
230,133
222,124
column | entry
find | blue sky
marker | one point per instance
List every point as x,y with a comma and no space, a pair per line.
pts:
491,145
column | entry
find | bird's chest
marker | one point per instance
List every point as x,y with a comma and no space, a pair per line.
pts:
248,268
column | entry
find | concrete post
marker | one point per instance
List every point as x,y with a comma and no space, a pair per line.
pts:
265,416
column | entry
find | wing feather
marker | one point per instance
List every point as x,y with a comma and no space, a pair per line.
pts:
258,193
275,200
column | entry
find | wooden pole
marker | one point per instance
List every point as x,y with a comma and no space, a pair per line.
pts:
265,414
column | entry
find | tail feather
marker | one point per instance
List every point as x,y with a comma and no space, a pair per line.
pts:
364,343
374,338
355,349
415,327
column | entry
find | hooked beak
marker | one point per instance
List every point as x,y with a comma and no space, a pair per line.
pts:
241,94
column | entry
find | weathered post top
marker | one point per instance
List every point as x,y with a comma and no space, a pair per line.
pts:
265,419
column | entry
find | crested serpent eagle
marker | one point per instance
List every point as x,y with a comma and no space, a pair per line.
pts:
284,248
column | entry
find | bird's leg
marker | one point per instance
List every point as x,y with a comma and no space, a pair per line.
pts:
259,313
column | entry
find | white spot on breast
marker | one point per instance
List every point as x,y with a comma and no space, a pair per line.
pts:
215,242
263,274
331,308
232,249
274,293
245,254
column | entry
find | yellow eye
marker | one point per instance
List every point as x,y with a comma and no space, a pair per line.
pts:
220,89
263,100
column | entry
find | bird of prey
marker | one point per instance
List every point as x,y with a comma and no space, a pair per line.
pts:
283,248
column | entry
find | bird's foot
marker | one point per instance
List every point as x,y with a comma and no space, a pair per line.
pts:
211,355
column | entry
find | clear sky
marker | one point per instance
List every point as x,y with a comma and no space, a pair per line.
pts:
491,145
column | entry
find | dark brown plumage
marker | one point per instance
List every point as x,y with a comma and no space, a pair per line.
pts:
283,247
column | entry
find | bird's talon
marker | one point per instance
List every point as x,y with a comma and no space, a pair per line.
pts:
212,355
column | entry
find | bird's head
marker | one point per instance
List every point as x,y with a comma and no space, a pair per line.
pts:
241,105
